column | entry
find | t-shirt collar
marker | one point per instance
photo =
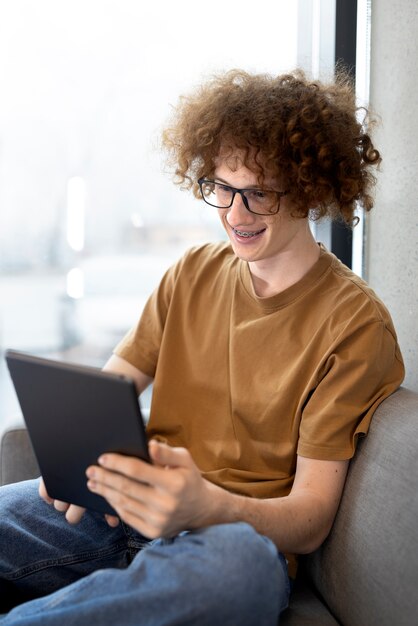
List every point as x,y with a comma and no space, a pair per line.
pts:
292,293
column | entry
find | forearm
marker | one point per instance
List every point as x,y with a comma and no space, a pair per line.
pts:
295,523
162,498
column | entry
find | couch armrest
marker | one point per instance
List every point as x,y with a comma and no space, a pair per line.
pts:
367,569
17,459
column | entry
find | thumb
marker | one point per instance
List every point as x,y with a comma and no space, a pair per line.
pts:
165,455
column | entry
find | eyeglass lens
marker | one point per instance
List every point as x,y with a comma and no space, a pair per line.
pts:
221,196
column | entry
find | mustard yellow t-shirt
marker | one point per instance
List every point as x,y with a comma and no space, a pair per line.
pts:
247,383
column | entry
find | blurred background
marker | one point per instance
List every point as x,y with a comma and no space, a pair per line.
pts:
89,220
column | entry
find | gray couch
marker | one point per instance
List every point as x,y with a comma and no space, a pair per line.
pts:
366,573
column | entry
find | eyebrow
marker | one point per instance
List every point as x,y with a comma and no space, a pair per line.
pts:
221,180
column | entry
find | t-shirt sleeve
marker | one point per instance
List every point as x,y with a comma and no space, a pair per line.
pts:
361,370
141,345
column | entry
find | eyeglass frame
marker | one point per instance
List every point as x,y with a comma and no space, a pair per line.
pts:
235,190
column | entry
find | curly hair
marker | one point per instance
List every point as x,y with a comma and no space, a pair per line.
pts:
304,132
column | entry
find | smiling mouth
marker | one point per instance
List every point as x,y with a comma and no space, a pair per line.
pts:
247,234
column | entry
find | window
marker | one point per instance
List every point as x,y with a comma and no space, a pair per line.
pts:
88,219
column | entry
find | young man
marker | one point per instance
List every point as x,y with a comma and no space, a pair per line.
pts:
268,358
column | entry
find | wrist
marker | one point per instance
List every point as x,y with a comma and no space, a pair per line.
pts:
221,506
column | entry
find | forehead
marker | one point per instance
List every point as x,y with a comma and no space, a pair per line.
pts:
234,158
242,167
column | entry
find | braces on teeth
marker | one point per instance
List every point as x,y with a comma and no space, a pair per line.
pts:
246,234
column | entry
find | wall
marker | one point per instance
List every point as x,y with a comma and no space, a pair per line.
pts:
392,228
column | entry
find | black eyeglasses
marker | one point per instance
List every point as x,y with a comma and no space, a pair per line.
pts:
258,201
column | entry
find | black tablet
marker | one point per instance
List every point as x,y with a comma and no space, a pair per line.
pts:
73,414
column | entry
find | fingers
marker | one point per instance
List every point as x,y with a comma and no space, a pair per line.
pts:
147,514
60,506
114,486
74,513
118,477
149,526
152,474
43,492
164,455
154,501
112,520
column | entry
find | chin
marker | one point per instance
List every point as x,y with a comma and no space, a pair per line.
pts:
245,255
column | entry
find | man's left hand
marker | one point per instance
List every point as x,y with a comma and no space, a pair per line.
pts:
159,499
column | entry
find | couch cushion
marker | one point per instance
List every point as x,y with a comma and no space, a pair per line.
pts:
17,459
367,570
305,608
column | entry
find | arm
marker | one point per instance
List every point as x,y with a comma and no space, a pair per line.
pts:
119,366
301,521
172,496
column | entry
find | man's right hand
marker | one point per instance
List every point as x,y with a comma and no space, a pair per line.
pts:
73,513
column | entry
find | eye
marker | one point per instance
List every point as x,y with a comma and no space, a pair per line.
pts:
258,195
223,188
223,192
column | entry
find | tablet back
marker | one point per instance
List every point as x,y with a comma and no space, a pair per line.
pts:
73,414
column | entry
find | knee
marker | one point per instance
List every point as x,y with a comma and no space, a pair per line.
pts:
240,545
246,573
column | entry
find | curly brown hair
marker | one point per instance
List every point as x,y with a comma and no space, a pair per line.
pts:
302,131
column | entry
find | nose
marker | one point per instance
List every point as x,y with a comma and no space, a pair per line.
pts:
238,213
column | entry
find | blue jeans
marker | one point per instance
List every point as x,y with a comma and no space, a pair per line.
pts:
55,574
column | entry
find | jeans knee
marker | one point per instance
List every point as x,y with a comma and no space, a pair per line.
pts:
241,544
248,574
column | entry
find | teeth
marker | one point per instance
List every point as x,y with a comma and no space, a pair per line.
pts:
243,233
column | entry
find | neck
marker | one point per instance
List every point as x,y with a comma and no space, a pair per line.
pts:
272,276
